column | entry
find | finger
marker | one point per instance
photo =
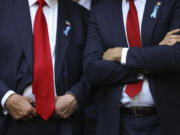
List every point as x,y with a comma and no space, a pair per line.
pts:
59,111
26,118
68,114
104,57
64,114
61,114
171,43
161,43
34,112
30,114
28,99
107,56
29,117
173,32
173,37
55,115
178,40
62,108
107,52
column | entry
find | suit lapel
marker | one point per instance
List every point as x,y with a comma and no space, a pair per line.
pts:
149,23
64,18
116,23
22,21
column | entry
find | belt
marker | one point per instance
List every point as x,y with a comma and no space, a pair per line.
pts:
139,111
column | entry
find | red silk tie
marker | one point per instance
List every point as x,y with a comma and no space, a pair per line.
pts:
43,86
133,35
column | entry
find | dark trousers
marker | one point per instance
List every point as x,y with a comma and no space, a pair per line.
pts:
37,126
90,127
90,118
146,125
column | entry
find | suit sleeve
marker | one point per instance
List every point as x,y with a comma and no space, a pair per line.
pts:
81,91
99,72
3,90
157,59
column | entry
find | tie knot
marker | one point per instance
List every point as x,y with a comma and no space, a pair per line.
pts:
41,2
131,2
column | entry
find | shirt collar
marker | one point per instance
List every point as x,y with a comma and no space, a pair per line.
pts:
50,3
31,2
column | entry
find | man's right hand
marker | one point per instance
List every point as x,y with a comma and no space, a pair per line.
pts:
20,107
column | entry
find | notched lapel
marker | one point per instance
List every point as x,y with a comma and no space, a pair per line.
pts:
116,23
149,20
22,21
64,32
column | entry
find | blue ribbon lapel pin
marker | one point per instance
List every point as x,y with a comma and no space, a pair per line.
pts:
68,28
155,10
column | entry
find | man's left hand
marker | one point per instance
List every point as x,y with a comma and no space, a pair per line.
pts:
113,54
171,38
65,106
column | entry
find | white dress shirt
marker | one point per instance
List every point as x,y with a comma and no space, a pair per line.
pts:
51,12
85,3
144,98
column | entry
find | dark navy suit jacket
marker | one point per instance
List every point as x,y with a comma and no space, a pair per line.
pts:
94,2
16,48
160,63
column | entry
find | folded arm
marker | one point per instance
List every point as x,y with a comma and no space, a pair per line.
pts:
101,72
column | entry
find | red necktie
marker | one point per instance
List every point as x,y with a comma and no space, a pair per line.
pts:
43,86
133,35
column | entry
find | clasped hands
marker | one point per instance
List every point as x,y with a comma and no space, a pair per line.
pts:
115,54
20,107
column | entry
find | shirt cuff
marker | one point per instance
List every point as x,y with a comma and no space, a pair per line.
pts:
124,55
4,99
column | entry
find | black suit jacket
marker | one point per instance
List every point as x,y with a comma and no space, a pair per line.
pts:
94,2
160,63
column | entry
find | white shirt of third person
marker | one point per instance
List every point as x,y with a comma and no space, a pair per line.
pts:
85,3
144,98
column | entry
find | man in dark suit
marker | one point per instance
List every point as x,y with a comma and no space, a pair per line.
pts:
41,80
139,85
89,113
90,110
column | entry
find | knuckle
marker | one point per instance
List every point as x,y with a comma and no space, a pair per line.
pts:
56,109
25,114
30,110
58,112
17,117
